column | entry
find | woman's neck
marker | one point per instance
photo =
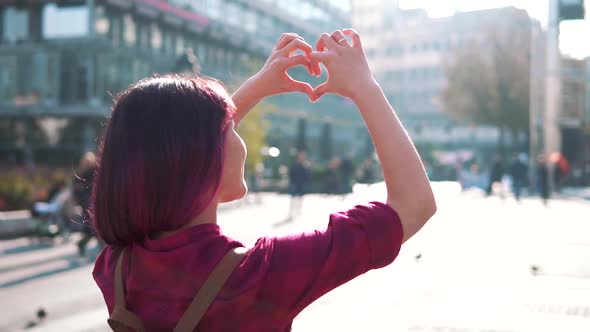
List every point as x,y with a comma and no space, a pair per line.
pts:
208,216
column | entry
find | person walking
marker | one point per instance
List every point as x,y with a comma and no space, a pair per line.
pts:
82,191
298,179
496,173
346,172
518,172
543,179
171,155
367,172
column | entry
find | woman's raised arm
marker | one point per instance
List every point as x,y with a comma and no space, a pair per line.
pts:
408,188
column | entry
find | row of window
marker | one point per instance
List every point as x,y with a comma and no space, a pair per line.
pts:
67,77
421,99
235,13
404,75
72,21
422,47
56,22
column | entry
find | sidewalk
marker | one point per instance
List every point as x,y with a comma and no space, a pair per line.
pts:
469,270
576,192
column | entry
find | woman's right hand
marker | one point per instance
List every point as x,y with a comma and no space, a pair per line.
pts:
348,70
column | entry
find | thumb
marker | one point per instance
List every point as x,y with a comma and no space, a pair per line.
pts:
316,58
319,91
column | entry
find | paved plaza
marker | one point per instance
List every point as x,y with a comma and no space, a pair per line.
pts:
480,265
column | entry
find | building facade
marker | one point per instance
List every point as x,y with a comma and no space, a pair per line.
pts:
408,51
61,61
573,109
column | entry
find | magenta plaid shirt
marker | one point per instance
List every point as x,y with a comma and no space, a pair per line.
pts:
277,279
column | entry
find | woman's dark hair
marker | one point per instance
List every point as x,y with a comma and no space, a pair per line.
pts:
161,159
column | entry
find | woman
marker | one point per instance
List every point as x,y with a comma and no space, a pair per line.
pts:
171,155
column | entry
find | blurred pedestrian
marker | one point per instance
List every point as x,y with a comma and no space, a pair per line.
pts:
518,171
561,169
333,180
473,178
496,173
367,171
346,174
543,178
298,180
82,191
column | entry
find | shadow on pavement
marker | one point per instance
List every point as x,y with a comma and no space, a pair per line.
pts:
74,262
27,248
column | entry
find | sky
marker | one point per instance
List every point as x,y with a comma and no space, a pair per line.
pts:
574,35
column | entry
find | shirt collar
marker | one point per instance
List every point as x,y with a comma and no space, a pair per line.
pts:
183,237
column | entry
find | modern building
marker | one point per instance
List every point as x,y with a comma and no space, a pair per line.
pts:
61,62
408,51
573,109
587,107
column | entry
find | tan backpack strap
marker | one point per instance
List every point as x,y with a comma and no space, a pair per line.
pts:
207,293
122,319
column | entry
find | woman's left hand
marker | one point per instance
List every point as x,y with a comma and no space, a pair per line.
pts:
273,78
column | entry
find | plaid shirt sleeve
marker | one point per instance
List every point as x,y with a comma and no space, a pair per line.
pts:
306,266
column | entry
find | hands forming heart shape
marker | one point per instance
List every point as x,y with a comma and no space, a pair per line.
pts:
346,64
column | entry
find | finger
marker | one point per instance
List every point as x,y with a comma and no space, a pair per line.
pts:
320,90
296,44
299,44
285,39
325,41
356,39
301,87
315,66
339,38
317,57
296,60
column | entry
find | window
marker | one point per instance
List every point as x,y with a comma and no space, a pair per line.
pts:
230,59
156,41
60,22
232,13
116,30
213,8
180,44
129,30
201,53
73,79
436,46
220,57
143,35
211,55
101,21
168,41
7,77
249,20
16,25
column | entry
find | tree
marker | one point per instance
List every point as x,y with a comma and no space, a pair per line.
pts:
254,126
253,129
488,80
